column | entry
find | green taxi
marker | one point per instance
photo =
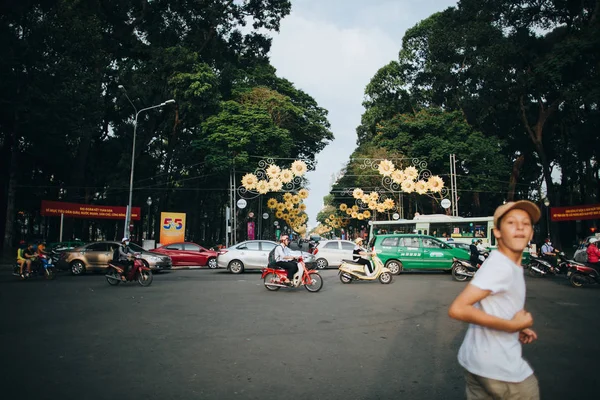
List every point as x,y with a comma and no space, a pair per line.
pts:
401,252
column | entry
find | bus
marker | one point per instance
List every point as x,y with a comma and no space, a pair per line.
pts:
444,227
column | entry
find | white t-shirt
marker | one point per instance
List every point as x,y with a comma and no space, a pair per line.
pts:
488,352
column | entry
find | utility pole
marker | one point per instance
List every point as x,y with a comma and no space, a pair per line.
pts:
453,186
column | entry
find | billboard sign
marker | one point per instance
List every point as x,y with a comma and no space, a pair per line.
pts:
172,229
74,210
575,213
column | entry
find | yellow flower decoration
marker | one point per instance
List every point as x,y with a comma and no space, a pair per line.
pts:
343,207
435,184
249,181
374,196
366,198
408,186
349,211
272,203
367,214
286,175
280,207
358,193
360,216
299,168
273,171
421,187
373,205
289,205
355,208
279,214
380,207
411,173
262,187
302,207
398,176
386,168
331,217
275,184
287,197
295,199
389,204
303,193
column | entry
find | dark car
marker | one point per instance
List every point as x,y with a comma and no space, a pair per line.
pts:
95,256
188,254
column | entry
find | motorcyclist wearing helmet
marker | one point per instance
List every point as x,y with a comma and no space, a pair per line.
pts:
358,252
593,253
474,259
549,252
122,257
284,258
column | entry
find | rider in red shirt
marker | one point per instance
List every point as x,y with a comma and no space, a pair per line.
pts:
593,253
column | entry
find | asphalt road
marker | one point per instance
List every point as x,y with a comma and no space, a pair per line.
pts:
205,334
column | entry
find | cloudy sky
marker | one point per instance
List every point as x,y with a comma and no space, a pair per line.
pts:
331,49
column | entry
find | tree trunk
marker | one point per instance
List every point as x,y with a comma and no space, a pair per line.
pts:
12,187
514,177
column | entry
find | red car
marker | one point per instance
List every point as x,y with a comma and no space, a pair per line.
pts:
186,254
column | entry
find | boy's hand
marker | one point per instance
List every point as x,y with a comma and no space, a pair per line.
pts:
522,320
527,336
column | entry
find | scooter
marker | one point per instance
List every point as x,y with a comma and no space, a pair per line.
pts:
40,266
463,269
274,278
580,274
538,267
350,271
138,272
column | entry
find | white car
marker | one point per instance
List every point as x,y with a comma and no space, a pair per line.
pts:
253,254
331,253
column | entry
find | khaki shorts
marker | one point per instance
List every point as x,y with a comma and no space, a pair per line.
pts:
480,388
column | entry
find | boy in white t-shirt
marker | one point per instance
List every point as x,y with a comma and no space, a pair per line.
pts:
493,305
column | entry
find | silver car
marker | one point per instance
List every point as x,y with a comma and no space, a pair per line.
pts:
331,253
253,254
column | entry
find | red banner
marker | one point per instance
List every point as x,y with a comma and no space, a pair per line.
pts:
575,213
74,210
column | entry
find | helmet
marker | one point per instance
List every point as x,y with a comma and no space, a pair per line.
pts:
593,240
125,239
474,241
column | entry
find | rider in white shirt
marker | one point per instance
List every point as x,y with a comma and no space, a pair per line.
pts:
284,258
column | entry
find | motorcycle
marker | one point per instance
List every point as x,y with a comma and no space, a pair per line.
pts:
580,274
274,278
538,267
350,271
141,273
42,265
463,269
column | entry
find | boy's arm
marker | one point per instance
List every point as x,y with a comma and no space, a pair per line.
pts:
462,309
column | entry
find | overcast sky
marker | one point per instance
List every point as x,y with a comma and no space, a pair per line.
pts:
331,49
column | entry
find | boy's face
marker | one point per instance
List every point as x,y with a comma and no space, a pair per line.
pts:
515,230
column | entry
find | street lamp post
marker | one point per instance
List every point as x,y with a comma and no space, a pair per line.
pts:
137,113
547,204
149,203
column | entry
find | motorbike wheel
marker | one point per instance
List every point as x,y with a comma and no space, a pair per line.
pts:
577,280
455,273
272,278
316,284
385,278
50,273
113,277
533,272
145,277
345,278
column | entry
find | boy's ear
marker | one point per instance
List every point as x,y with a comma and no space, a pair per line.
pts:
497,233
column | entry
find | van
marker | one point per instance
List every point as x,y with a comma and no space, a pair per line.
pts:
400,252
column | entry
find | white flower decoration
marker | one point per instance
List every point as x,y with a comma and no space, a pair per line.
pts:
436,184
249,181
286,175
275,184
299,168
273,171
398,176
357,193
386,168
262,187
411,173
408,186
421,187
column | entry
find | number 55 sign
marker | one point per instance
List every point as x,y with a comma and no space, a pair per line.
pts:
172,228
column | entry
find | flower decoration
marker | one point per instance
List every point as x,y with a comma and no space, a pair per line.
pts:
286,175
389,204
302,207
374,196
386,167
273,171
373,205
279,214
435,184
366,198
357,193
275,184
295,199
287,197
303,193
280,207
262,187
408,186
411,173
380,207
299,168
398,176
349,211
289,205
421,187
343,207
272,203
355,208
360,216
367,214
354,215
249,181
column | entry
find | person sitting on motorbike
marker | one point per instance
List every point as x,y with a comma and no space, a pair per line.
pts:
122,257
593,254
25,255
481,249
549,252
474,259
357,253
284,258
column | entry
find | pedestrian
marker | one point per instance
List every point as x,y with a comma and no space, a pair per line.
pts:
493,304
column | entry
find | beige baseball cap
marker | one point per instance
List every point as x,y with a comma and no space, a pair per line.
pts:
530,208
